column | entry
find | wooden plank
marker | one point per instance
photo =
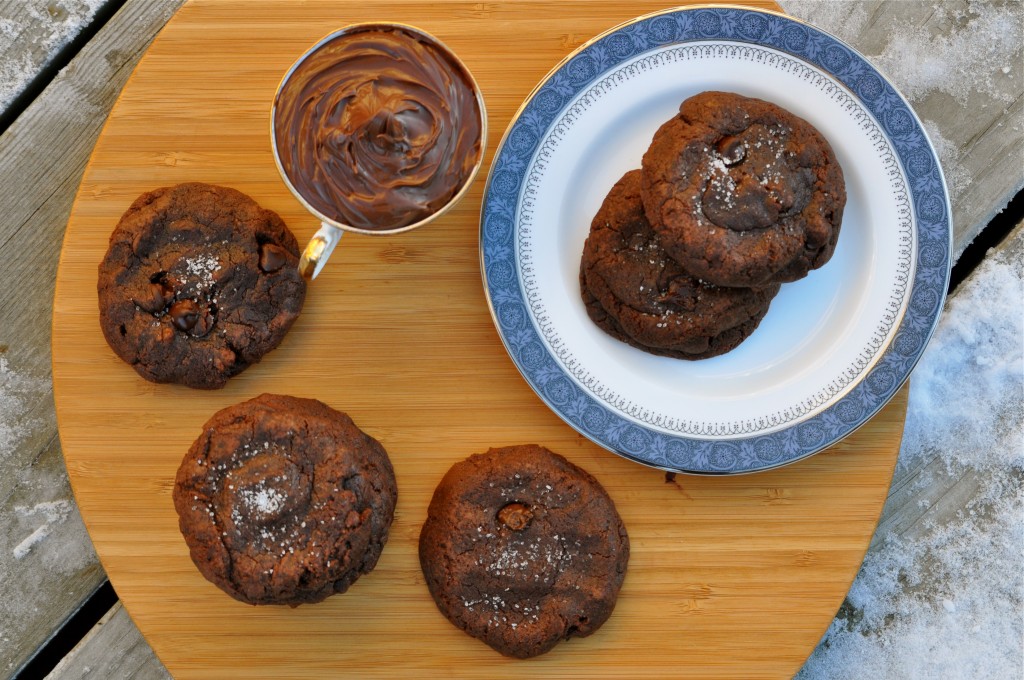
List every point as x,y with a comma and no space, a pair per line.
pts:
114,648
31,34
773,552
974,111
42,157
910,509
47,563
41,194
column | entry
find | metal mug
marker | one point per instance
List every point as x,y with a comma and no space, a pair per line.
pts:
322,244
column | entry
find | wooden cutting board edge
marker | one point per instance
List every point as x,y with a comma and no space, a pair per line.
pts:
897,406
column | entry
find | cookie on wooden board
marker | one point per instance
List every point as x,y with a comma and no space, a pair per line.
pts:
522,549
198,283
283,500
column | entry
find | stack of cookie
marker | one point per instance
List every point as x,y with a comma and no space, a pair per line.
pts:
735,197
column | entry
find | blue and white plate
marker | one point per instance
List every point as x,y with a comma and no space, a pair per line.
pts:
834,347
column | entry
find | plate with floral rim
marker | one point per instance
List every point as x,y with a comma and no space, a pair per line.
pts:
834,346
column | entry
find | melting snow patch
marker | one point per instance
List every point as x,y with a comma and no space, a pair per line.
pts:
33,36
16,395
921,59
957,177
947,599
25,546
54,512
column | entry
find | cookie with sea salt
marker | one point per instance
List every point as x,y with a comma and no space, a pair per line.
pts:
198,283
636,293
720,344
742,192
283,500
522,549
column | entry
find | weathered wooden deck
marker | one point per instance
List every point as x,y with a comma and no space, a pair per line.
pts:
960,64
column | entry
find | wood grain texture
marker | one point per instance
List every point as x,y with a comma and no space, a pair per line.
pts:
42,157
114,648
730,577
32,33
47,563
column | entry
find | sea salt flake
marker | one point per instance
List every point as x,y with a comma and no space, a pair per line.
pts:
263,500
201,269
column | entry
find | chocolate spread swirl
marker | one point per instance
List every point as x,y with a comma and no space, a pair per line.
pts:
378,128
755,179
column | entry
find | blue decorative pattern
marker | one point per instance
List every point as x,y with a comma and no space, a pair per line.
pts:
843,376
511,302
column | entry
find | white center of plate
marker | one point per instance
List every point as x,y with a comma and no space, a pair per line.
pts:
821,333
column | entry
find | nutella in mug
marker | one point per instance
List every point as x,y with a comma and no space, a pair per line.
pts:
378,128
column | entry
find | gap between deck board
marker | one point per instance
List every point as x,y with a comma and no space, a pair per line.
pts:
992,236
73,632
983,241
42,156
49,70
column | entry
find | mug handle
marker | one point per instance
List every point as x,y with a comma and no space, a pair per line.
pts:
319,248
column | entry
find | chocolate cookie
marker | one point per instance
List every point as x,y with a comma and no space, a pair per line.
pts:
522,549
284,500
199,282
720,344
742,192
635,293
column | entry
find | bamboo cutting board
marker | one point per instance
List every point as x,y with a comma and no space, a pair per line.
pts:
729,577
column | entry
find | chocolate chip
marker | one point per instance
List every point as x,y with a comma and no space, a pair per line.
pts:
157,297
354,519
184,314
732,150
204,323
515,516
139,243
683,293
638,242
272,257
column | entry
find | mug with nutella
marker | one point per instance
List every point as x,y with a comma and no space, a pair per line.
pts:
377,129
